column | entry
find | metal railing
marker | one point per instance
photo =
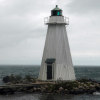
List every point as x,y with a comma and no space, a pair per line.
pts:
66,20
46,20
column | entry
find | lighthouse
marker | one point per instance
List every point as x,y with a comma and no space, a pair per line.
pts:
56,61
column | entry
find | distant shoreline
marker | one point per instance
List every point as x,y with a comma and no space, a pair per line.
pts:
40,65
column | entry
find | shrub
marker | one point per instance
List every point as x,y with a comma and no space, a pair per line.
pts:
84,80
18,79
29,78
6,79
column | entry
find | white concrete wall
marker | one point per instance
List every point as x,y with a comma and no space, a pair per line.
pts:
57,46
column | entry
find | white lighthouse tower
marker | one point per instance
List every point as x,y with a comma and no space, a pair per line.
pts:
56,62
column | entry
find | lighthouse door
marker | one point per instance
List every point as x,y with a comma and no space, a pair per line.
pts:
49,71
50,68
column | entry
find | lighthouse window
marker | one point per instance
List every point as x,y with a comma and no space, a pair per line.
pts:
58,13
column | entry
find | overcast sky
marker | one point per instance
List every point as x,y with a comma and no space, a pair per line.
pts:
22,30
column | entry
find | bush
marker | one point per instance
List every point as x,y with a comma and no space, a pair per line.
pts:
29,78
12,79
85,80
6,79
18,79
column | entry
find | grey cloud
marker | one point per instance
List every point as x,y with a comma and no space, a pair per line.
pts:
84,6
22,32
17,25
23,7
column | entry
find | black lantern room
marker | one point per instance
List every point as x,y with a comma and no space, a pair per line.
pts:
56,11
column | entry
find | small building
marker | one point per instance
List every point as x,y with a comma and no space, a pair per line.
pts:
56,62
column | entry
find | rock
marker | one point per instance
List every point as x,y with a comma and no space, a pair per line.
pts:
80,87
43,89
34,89
96,93
38,89
91,90
66,91
61,88
92,86
75,88
5,91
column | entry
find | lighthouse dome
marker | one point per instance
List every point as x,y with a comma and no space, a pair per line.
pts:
56,11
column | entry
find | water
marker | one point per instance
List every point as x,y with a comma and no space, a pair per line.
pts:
18,70
49,97
90,72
